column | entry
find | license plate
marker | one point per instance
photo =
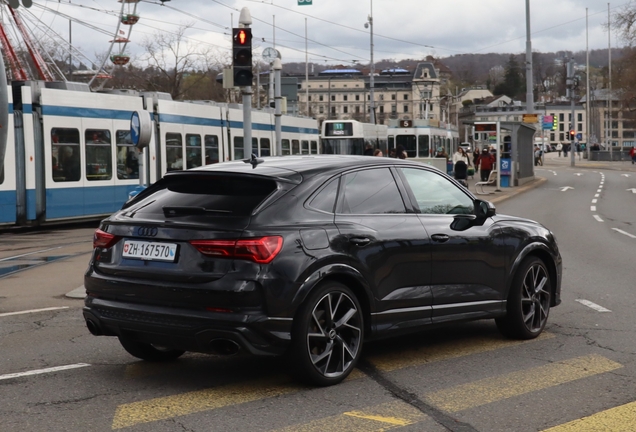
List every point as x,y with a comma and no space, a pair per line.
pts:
151,251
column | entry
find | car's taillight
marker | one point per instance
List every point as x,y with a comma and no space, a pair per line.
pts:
102,239
261,250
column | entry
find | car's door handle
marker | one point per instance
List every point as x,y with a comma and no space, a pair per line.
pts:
441,238
360,241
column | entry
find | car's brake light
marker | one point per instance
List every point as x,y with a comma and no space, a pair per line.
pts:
261,250
102,239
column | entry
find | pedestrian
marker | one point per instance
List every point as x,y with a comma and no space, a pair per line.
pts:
578,149
460,155
475,156
537,156
632,153
400,153
559,148
378,152
368,150
566,147
486,162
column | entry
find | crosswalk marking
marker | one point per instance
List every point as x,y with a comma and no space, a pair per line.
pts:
619,419
378,418
445,350
494,389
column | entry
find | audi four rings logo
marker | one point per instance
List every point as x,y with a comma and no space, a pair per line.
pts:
147,231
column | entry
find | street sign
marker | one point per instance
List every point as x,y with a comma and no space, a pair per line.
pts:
140,128
579,136
548,122
531,118
485,127
304,2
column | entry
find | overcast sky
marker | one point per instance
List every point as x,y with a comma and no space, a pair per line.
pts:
336,33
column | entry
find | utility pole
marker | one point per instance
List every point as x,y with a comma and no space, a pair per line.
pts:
278,129
245,20
369,24
529,84
571,85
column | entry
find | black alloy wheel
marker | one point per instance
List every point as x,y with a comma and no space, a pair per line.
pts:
328,335
149,352
528,302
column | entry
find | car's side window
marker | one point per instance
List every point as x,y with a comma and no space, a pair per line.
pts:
435,194
372,191
325,200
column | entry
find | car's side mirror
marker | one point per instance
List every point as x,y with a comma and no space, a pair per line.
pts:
484,209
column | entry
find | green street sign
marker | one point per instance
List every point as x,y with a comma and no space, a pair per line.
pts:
304,2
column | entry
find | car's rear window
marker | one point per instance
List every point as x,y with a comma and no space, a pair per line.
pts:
212,195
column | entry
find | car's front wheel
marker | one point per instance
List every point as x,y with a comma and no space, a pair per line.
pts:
149,352
328,335
528,304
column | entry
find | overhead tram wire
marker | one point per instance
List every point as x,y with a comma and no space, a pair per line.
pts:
352,28
290,32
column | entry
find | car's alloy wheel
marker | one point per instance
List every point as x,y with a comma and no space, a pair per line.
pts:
528,301
149,352
328,335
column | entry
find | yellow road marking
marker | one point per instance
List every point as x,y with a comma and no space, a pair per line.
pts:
371,419
444,351
494,389
619,419
192,402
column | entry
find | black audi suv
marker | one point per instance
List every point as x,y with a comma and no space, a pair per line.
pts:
311,256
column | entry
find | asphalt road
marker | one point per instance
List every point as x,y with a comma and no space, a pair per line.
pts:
463,378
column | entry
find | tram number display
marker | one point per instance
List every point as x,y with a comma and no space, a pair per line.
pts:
150,251
339,129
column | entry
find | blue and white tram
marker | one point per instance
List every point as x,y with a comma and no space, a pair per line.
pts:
352,137
422,138
70,156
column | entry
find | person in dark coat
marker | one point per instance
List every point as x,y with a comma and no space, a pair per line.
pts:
486,162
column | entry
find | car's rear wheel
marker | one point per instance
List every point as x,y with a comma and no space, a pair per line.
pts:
528,301
328,335
149,352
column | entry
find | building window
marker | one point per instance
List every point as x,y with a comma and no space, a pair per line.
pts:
320,98
333,110
357,97
357,109
309,98
580,117
357,85
406,108
561,127
560,137
320,86
381,97
321,110
345,85
552,136
345,97
381,109
345,109
561,117
333,98
406,97
392,97
570,117
579,127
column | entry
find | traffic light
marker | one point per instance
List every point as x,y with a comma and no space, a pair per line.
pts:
555,122
242,57
572,134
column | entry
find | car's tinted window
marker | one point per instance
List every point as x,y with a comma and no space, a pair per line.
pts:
326,198
372,191
435,194
219,195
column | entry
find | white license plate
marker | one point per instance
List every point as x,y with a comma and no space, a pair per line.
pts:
151,251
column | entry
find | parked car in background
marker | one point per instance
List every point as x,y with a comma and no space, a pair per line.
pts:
311,257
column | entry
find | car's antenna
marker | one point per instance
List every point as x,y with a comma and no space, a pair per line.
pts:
253,160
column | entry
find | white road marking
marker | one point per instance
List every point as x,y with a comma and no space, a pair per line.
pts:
624,233
626,175
43,371
632,189
578,174
593,305
564,188
596,196
32,311
598,218
599,191
602,183
593,208
594,201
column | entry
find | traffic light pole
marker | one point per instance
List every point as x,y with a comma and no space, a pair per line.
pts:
571,85
245,20
277,66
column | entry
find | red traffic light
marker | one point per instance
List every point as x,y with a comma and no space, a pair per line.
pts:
572,132
242,37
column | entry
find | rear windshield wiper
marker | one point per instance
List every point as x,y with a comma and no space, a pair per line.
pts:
190,211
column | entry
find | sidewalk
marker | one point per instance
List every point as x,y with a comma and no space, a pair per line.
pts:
504,192
553,159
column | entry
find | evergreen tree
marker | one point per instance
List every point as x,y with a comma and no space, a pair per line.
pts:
513,84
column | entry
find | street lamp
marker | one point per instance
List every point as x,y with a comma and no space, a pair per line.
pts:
369,25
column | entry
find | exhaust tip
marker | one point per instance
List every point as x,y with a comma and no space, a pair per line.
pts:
93,328
224,347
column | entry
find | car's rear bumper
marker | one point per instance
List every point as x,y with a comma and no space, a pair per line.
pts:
185,329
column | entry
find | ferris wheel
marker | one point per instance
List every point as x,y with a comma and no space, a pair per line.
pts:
27,39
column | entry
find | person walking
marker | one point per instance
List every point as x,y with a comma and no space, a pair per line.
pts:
460,155
559,148
486,162
578,149
632,153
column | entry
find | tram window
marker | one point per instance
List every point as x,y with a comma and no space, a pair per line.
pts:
211,149
314,147
239,149
2,175
295,147
391,142
265,147
304,147
409,143
174,151
65,152
285,147
255,146
424,147
194,156
127,156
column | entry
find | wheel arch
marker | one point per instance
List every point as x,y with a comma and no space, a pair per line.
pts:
542,252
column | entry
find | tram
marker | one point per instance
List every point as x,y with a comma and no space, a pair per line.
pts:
352,137
422,138
70,155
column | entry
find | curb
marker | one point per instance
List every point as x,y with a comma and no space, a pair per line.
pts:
521,189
